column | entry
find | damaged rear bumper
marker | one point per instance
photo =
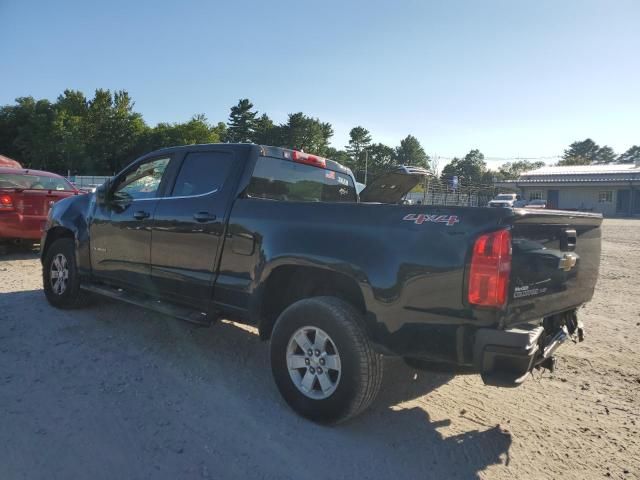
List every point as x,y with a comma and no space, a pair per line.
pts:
506,358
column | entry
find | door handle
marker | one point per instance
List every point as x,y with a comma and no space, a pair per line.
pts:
141,215
204,217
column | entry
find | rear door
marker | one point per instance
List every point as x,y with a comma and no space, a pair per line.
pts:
121,227
555,261
188,225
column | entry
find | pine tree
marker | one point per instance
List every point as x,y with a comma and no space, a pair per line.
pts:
241,122
410,152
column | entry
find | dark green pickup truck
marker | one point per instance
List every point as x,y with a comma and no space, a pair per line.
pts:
335,279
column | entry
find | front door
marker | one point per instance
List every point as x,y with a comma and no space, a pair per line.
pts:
121,228
188,226
623,202
553,197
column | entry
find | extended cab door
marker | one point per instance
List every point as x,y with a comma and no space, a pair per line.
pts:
121,227
188,225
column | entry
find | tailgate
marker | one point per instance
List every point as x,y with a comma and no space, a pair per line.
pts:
556,256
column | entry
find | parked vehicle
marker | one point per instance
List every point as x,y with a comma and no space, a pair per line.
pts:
25,199
281,239
6,162
537,204
507,200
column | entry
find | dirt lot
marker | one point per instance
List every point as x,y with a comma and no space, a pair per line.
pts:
113,391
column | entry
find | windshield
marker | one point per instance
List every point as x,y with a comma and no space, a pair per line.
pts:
33,182
504,197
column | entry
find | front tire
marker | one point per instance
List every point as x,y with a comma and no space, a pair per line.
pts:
322,361
61,281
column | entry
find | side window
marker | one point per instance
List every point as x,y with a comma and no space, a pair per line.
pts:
535,195
202,172
276,179
143,182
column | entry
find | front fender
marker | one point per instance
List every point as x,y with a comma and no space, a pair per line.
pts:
70,218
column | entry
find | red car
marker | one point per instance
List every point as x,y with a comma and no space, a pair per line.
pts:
25,199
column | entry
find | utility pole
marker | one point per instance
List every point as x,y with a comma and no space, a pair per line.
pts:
366,164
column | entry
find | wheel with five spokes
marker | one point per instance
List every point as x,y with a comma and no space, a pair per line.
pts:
61,281
322,360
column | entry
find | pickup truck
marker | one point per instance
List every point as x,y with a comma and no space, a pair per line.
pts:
336,279
507,200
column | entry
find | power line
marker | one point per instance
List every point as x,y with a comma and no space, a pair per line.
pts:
514,158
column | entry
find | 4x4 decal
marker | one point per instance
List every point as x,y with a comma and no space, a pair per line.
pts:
420,218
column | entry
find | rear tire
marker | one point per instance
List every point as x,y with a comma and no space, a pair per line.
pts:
61,281
342,360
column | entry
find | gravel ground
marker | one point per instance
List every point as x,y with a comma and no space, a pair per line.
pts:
113,391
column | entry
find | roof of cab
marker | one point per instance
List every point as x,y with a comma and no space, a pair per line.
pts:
265,150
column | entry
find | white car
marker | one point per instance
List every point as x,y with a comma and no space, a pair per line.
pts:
506,200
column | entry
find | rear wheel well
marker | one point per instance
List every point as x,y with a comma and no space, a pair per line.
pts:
54,234
288,284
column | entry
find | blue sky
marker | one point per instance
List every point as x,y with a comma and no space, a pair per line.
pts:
512,78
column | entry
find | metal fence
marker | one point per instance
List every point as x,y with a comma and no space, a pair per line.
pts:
87,181
436,191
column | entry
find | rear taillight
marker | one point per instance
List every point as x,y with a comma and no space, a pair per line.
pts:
6,202
302,157
490,269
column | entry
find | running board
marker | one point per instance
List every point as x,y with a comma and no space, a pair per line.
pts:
177,311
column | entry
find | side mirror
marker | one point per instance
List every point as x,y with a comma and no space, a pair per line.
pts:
102,192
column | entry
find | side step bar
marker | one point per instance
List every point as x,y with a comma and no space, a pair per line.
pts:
170,309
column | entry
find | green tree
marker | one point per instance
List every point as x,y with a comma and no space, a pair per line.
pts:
580,153
470,170
34,141
195,131
410,152
305,133
241,122
513,170
265,131
73,103
359,141
605,155
630,156
69,130
381,159
113,130
340,156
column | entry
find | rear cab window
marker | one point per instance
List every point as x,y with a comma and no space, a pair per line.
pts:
284,180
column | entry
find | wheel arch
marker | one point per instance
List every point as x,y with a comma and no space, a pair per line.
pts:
54,234
287,284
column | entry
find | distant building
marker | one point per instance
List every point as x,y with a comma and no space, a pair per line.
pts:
613,190
9,162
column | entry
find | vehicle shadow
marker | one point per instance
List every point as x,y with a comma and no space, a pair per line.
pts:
221,379
14,251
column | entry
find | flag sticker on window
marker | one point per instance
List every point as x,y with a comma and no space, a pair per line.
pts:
330,174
